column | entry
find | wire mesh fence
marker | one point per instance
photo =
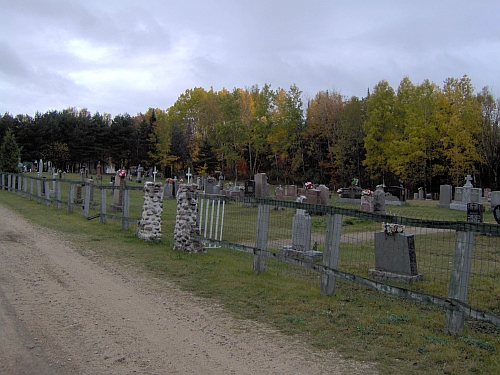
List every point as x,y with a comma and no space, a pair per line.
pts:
435,243
234,223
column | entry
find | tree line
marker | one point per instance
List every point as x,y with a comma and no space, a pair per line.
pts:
422,135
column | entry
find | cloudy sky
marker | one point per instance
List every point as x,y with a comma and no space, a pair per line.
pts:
120,56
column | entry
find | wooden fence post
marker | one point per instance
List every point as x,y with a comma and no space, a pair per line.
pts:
259,260
58,195
71,197
47,192
459,279
103,206
31,187
86,201
25,186
9,182
39,190
125,208
331,252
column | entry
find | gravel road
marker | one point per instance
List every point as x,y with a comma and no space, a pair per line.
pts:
64,311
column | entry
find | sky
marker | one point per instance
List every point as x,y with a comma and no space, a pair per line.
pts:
119,56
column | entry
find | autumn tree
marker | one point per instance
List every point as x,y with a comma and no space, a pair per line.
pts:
321,134
459,120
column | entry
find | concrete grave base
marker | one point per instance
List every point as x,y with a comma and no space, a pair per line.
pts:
115,208
308,256
395,276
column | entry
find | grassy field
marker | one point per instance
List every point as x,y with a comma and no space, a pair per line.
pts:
400,335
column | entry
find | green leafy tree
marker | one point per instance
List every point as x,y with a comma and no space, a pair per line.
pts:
10,153
459,122
379,129
415,147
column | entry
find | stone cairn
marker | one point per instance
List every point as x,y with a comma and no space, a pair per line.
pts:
186,222
150,223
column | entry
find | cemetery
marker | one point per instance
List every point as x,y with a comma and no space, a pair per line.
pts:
368,241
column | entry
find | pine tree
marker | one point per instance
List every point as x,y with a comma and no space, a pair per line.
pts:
9,154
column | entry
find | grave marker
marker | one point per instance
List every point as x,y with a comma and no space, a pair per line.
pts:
395,257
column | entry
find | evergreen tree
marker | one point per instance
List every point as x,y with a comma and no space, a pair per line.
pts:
206,158
10,153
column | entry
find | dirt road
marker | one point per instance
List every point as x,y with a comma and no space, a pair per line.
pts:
64,312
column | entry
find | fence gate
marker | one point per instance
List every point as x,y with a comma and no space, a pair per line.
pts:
211,220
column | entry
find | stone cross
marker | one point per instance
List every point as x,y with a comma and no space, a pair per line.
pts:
188,176
468,180
154,174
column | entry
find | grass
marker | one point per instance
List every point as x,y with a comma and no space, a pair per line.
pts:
401,336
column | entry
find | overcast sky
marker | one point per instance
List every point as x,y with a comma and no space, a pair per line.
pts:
120,56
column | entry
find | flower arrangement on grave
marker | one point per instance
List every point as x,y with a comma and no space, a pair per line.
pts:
339,191
381,186
367,193
169,181
122,172
392,229
309,185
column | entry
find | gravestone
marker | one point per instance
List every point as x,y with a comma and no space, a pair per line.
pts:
496,213
301,229
260,185
324,195
290,191
117,204
198,183
421,193
466,194
301,238
367,203
209,185
494,200
395,257
379,201
486,193
395,195
279,193
444,196
168,190
249,188
312,196
475,212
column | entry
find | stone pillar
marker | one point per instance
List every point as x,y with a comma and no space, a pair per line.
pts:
149,226
186,222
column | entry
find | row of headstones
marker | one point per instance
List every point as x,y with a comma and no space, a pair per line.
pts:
466,195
